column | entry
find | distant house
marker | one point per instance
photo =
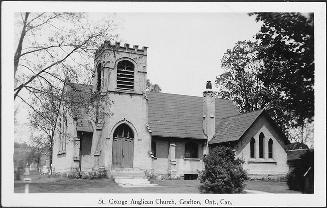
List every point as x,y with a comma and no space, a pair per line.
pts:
167,134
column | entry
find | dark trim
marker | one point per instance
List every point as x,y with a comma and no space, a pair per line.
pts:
261,162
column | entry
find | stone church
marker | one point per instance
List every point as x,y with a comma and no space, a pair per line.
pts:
161,133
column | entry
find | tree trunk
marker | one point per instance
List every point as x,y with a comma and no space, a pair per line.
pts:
20,44
55,125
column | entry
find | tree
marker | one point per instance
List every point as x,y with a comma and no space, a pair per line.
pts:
223,173
52,50
275,72
287,50
152,87
241,83
51,46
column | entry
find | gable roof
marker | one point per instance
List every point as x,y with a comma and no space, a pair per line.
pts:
233,127
181,116
172,115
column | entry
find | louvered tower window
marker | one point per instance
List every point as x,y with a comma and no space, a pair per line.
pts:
125,75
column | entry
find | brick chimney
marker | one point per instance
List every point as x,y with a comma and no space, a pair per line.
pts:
209,111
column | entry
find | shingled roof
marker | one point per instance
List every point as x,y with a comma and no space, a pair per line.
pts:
233,127
172,115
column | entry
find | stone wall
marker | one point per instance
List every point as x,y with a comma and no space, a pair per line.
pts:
129,109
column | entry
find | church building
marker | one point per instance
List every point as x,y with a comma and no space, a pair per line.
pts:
161,133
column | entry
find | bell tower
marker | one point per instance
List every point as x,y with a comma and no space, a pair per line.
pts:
120,75
120,68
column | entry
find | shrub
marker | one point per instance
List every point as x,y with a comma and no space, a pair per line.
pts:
222,173
73,174
295,177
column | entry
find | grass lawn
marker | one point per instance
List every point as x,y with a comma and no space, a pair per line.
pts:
43,184
269,186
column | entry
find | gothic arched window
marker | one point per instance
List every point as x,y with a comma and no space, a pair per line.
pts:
125,75
123,131
252,145
261,145
99,77
270,148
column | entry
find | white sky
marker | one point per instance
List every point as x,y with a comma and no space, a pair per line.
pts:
184,48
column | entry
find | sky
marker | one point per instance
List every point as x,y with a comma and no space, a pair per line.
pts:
184,49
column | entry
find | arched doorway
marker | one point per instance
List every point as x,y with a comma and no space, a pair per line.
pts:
123,147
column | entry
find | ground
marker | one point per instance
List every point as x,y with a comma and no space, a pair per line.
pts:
64,185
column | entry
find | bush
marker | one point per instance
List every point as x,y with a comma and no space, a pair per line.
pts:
222,173
295,177
73,174
88,175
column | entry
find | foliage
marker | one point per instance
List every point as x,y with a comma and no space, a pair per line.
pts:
54,49
287,50
275,72
223,173
297,145
55,45
152,87
239,82
149,174
295,177
87,175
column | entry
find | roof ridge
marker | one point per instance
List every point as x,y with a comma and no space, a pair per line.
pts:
187,95
295,150
174,94
240,114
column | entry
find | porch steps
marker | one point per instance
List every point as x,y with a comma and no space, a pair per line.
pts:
129,177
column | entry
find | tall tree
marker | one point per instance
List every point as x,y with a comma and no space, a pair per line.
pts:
275,72
53,48
241,83
287,50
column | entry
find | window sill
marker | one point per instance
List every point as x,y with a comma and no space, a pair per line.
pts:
192,159
61,153
258,161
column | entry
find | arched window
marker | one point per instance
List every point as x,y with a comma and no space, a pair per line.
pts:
125,75
191,150
123,131
252,145
270,148
99,77
261,145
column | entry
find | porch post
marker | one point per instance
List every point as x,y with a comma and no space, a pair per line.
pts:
76,158
76,145
172,159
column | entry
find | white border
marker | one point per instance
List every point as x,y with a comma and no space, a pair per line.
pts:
8,198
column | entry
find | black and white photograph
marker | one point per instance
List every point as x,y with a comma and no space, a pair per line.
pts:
134,104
